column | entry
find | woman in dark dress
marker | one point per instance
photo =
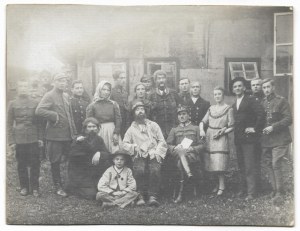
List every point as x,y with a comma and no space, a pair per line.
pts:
88,160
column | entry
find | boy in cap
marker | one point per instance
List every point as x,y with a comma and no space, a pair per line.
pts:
146,145
117,185
147,80
185,155
60,130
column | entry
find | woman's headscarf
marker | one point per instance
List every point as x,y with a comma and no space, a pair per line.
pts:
99,88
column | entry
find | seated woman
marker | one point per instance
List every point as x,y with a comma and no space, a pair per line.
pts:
117,185
107,112
88,160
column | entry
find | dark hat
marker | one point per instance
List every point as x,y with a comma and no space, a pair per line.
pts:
137,104
182,108
121,151
60,75
238,79
146,77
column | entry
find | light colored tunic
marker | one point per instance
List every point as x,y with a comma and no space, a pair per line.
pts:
217,156
113,181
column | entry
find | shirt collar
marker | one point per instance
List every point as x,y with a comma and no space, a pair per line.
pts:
185,124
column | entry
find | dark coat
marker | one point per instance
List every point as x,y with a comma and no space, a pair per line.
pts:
55,104
78,105
164,109
120,95
81,172
23,126
250,114
185,97
278,115
198,110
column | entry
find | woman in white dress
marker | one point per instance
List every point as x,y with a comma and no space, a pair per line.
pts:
219,120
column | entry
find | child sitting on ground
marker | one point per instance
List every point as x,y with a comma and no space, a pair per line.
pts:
117,185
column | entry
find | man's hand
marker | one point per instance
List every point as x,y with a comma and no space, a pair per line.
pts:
138,151
117,193
158,158
249,130
202,133
80,138
178,147
40,143
268,130
115,139
96,158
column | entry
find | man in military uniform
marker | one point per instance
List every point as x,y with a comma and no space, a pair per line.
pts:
120,95
78,104
147,80
60,130
256,88
25,135
184,90
187,159
258,95
197,105
276,135
164,103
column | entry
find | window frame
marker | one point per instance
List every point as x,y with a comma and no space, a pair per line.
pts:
279,44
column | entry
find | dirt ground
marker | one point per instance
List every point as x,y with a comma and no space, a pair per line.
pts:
200,210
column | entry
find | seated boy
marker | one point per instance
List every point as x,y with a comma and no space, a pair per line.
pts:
117,185
185,145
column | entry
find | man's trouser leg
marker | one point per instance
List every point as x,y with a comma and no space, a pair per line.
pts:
22,154
154,177
34,166
139,167
246,161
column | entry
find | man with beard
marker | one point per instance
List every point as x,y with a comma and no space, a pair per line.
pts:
249,120
88,160
164,103
144,141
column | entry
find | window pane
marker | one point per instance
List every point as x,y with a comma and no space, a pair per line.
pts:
238,74
284,59
237,66
250,75
284,28
249,66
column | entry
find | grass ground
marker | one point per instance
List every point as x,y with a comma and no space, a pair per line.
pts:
200,210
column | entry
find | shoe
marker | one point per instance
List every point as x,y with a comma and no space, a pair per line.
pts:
153,201
107,205
220,192
249,197
215,190
278,199
35,193
61,192
140,201
240,194
24,192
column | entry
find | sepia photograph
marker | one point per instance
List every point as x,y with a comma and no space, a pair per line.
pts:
149,115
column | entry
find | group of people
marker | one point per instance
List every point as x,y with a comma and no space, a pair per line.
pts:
123,152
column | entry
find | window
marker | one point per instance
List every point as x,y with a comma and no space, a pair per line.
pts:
248,68
283,44
169,65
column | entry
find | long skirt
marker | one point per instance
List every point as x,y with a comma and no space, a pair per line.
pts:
106,132
121,201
